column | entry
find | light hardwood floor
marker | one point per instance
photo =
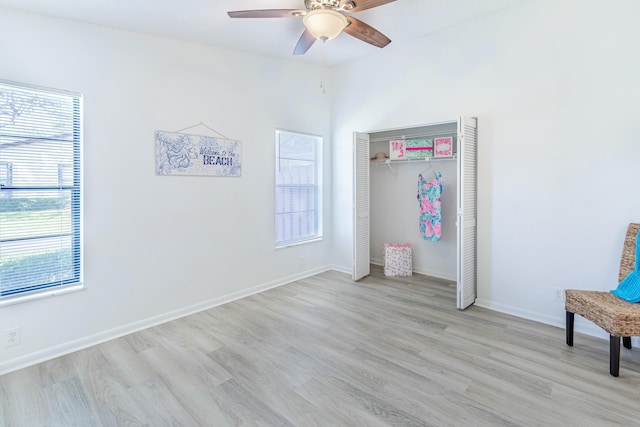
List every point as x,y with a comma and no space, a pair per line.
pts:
325,351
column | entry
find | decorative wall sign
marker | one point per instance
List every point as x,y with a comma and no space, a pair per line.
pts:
396,149
418,148
443,147
185,154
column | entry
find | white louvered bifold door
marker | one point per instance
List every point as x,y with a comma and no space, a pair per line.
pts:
467,211
361,255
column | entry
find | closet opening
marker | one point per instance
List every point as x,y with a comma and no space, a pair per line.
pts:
417,185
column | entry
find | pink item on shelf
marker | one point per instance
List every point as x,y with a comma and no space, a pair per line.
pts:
396,150
443,146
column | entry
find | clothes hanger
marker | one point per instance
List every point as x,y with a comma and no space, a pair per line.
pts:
429,169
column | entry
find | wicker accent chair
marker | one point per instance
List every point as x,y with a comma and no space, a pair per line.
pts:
616,316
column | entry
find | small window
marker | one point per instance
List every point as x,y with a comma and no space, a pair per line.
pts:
40,241
298,197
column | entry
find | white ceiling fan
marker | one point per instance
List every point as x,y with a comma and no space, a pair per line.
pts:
324,20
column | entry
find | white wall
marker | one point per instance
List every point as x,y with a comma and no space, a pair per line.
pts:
555,87
155,246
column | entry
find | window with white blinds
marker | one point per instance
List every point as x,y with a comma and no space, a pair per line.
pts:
298,194
40,176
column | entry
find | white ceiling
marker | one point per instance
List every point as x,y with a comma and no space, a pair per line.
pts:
206,21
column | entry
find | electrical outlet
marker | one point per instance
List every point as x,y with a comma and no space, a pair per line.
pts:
558,294
12,337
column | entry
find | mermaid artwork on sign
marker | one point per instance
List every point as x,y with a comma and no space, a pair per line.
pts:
178,152
429,199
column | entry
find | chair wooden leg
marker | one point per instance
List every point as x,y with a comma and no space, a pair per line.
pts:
614,355
626,341
569,328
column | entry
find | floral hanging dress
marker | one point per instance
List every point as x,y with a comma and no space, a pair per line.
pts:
429,198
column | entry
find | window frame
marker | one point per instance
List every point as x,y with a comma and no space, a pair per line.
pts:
8,172
75,189
316,186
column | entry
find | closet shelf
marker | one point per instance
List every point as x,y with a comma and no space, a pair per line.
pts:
422,159
388,162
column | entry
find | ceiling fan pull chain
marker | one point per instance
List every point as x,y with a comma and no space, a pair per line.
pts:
322,83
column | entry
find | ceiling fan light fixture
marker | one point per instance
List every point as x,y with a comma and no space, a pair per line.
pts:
324,24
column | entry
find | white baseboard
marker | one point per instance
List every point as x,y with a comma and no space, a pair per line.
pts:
342,269
434,274
583,327
516,311
91,340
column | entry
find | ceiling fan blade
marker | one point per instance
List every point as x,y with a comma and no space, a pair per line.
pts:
365,32
359,5
267,13
305,42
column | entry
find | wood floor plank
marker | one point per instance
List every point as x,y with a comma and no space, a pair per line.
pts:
147,391
371,387
194,362
57,370
69,405
327,351
127,366
106,394
265,380
24,398
198,397
159,405
337,403
250,409
620,412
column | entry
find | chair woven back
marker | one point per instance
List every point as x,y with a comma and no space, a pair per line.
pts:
628,260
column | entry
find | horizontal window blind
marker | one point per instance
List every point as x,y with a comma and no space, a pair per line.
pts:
297,196
40,177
